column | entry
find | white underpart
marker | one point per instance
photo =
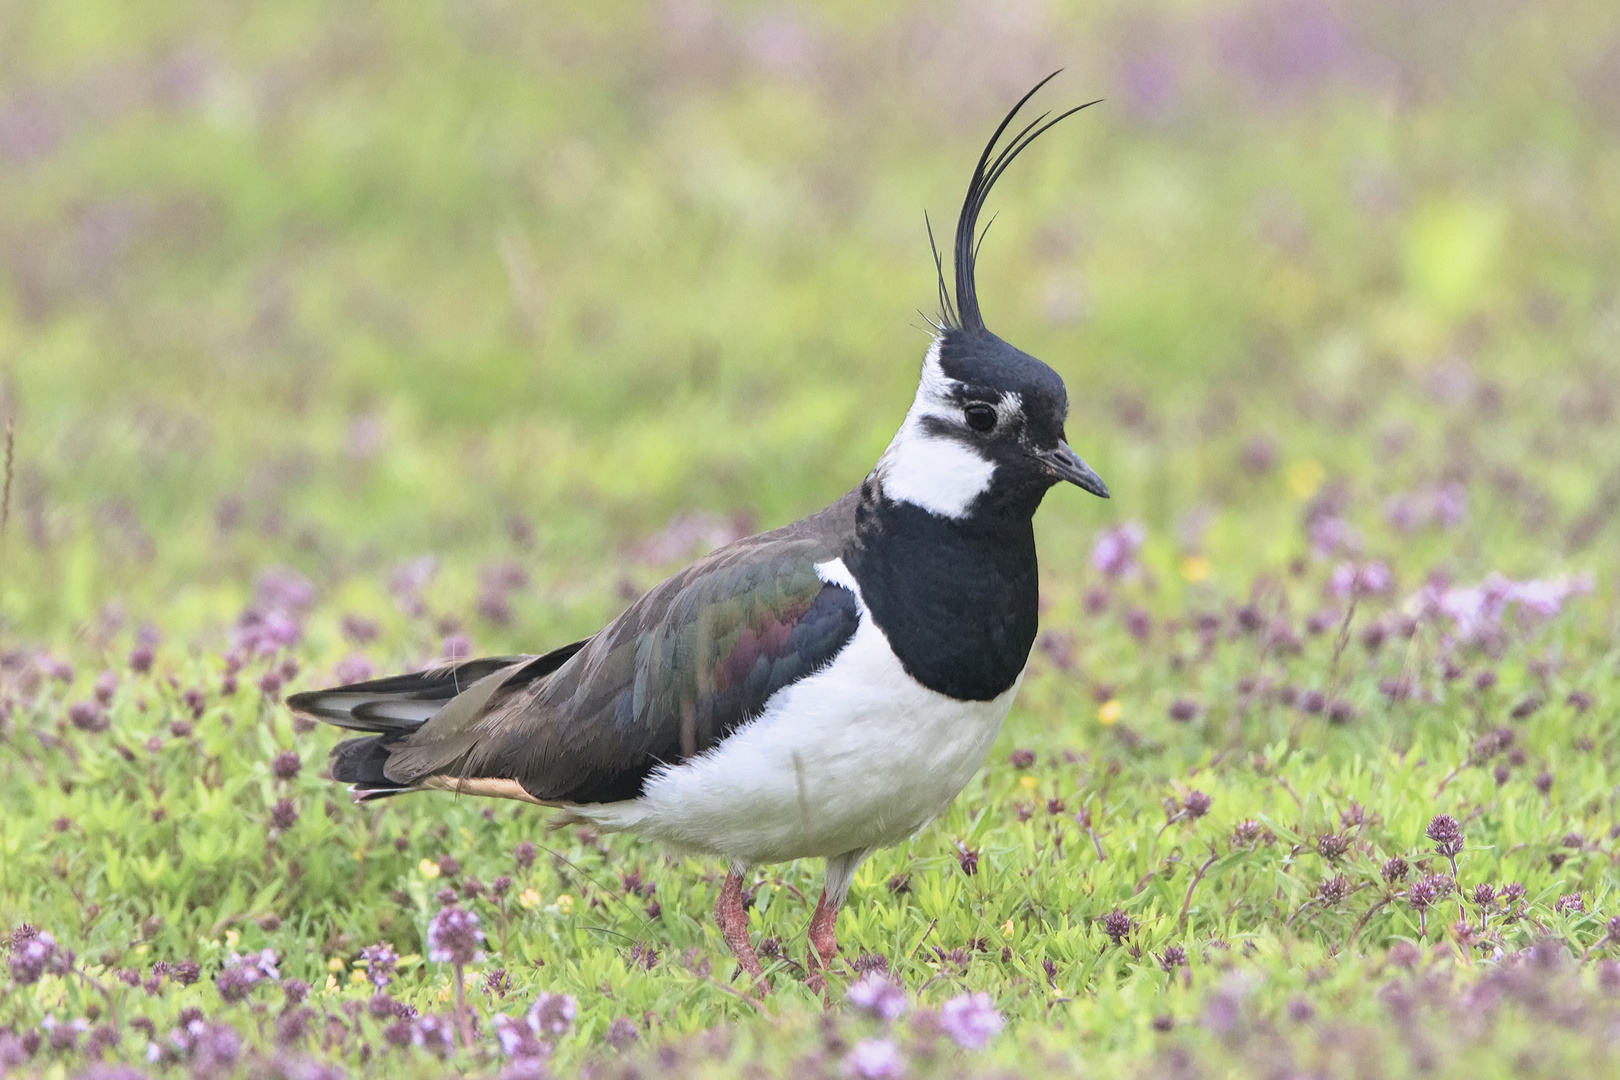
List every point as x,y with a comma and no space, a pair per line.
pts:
855,757
940,474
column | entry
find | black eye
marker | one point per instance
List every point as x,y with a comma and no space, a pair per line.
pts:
979,417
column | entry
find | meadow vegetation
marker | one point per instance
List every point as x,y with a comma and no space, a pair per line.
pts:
338,338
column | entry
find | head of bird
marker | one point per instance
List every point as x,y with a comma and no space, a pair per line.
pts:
985,433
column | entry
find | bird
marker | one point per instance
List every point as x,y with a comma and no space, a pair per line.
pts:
821,690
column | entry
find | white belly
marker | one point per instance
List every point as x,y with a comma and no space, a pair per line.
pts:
858,755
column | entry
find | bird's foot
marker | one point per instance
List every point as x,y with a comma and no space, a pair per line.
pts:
823,947
731,912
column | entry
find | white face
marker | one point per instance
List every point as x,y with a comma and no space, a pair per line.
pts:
941,474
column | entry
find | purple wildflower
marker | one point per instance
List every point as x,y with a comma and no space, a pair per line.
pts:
968,858
553,1014
518,1039
523,854
1172,958
286,765
106,686
1259,454
1331,535
1332,846
33,954
875,1059
352,669
88,716
454,937
1115,552
622,1033
434,1034
877,995
1572,904
1367,579
283,815
1334,890
1022,759
1446,834
1424,893
242,973
1118,925
971,1020
1183,710
381,960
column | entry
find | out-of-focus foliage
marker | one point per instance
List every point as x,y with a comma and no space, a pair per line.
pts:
336,337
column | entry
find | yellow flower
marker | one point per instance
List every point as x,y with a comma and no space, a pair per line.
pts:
1028,781
1195,568
1109,713
232,938
429,868
331,985
336,964
530,898
1007,928
357,976
565,904
1305,478
444,992
140,950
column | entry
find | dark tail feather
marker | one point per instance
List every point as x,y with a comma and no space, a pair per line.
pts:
399,703
394,707
360,762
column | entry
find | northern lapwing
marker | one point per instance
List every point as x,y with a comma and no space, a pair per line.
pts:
818,691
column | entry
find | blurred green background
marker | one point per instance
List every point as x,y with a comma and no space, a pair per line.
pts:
341,284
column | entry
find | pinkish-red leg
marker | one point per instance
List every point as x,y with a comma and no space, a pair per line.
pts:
732,915
823,943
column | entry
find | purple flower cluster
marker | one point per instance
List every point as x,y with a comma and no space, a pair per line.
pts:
971,1020
381,960
34,953
1446,834
1115,552
529,1036
274,621
1360,579
1331,535
1426,892
876,994
1476,611
875,1059
242,973
1444,507
211,1048
454,937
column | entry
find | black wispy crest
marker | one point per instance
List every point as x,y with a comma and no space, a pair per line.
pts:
964,314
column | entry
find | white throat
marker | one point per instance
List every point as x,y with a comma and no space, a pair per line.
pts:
937,473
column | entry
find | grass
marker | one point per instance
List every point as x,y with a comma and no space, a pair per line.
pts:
393,330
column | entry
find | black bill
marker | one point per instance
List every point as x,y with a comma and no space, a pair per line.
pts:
1065,464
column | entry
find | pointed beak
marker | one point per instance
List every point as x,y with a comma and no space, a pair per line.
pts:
1065,464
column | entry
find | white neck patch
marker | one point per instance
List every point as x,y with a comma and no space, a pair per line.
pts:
939,474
